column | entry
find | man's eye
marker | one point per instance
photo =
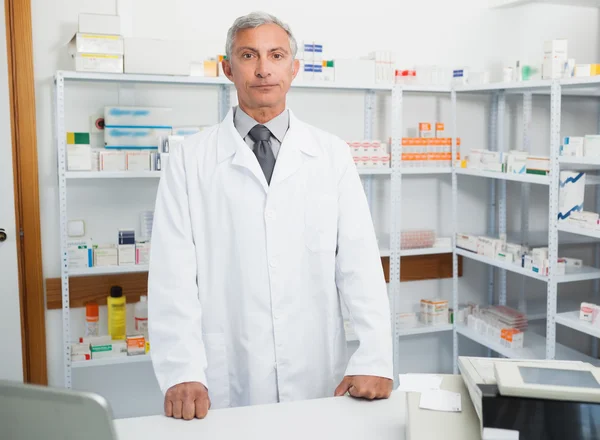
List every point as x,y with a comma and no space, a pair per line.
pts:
277,56
247,56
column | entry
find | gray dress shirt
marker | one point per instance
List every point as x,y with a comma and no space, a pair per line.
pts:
278,125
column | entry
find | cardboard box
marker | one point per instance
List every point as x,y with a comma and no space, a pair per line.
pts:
99,63
100,24
538,165
467,242
571,194
591,145
134,138
79,157
556,48
106,256
161,57
153,117
114,350
112,161
572,146
80,255
516,163
553,68
489,247
126,254
583,70
142,252
136,345
137,161
96,44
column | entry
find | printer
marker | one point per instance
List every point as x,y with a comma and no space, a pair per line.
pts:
541,399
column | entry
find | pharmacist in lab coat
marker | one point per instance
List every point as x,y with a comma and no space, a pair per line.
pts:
261,230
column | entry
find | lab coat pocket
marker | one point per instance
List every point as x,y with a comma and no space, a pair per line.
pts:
217,372
320,228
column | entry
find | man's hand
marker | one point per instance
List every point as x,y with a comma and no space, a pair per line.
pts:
187,400
367,387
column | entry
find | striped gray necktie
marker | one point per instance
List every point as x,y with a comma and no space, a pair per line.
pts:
262,149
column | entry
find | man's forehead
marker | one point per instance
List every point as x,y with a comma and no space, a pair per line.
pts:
261,36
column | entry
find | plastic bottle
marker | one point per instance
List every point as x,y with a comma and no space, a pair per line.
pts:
140,314
92,320
117,322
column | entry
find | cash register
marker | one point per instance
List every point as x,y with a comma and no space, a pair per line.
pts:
543,399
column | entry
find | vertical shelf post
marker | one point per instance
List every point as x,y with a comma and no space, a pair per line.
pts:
501,146
61,138
369,122
525,189
453,133
555,123
395,219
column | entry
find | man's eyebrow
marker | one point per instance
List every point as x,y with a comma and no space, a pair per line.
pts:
280,48
240,49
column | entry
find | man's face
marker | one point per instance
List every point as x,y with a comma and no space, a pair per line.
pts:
261,66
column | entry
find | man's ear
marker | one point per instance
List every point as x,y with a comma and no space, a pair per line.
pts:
226,64
295,68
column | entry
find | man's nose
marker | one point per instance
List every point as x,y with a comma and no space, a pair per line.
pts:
262,69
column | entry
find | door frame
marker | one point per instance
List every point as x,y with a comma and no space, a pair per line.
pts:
19,44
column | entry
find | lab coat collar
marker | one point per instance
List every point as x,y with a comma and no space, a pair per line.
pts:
298,140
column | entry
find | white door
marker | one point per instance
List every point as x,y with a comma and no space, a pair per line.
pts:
11,367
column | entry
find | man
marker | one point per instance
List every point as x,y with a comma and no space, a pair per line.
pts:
261,230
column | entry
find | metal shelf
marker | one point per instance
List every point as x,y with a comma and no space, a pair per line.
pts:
580,163
421,329
586,273
112,361
534,347
112,175
426,170
108,270
571,319
374,171
565,227
501,264
494,4
524,178
425,251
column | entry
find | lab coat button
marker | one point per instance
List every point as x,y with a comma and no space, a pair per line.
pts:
273,263
270,214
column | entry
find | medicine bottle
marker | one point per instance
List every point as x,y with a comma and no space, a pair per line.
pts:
92,319
117,315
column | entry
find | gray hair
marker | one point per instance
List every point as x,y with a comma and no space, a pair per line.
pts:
254,20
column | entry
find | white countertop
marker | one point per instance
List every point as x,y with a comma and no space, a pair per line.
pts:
332,418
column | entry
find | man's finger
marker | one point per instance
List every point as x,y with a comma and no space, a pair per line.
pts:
189,409
343,387
202,404
168,407
356,391
178,409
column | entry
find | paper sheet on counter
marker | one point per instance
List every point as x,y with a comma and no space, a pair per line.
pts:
440,400
419,382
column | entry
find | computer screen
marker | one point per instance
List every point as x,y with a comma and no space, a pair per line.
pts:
556,377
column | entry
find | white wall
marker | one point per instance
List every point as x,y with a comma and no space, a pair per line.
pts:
11,367
458,33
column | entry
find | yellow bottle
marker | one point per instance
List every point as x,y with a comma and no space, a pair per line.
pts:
117,316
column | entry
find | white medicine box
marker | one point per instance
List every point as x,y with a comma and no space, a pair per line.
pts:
556,48
96,44
100,24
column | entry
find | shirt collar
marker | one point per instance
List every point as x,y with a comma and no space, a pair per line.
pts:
278,125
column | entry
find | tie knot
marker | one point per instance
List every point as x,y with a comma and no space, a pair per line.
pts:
260,133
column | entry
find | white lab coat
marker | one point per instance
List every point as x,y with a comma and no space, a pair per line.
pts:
245,278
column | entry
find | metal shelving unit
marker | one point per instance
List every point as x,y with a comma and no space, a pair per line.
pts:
536,346
396,173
